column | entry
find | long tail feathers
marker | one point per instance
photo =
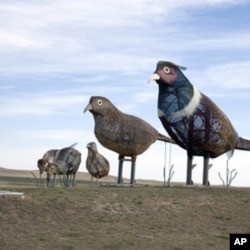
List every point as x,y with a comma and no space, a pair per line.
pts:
243,144
162,137
73,145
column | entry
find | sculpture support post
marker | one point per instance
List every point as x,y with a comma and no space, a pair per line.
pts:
205,170
189,170
120,168
132,177
119,180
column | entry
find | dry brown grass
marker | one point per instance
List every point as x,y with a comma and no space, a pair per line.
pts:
142,217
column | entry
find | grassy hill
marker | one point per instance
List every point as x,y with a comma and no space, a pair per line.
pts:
147,216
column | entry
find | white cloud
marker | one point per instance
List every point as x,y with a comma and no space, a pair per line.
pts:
11,40
39,104
77,36
72,135
233,75
7,87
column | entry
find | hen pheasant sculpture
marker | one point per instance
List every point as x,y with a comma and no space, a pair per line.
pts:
125,134
96,164
192,120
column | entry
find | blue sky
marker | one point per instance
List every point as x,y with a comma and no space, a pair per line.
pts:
54,55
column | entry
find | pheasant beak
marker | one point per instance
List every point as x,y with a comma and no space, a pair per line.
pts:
88,107
153,77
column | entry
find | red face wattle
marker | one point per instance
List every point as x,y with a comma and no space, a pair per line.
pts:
167,74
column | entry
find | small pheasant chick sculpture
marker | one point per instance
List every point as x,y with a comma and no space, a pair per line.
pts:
96,164
125,134
192,119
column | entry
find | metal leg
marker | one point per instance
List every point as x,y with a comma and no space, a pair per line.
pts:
205,170
189,169
132,177
119,180
54,180
48,180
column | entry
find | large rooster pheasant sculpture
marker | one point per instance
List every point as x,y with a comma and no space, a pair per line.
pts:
193,121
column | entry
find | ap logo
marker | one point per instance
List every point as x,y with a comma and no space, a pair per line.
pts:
239,241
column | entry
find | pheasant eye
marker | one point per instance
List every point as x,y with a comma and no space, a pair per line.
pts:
99,102
166,70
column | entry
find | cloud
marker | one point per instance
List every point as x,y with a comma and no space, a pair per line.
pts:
7,87
77,36
66,101
39,104
52,134
11,40
234,75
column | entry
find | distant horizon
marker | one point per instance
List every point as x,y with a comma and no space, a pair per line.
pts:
139,181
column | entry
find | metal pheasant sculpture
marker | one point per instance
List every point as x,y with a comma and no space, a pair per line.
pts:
192,119
125,134
96,164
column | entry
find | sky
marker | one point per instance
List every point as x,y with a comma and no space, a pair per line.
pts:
55,55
